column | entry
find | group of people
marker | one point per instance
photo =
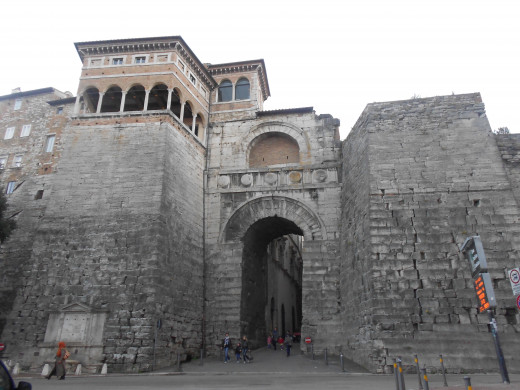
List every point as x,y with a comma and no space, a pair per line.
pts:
241,349
283,342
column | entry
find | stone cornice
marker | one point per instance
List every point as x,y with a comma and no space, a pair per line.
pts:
158,44
244,66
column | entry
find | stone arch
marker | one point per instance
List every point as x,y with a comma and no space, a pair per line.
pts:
280,127
257,209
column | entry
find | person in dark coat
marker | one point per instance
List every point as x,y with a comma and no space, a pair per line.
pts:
226,345
59,365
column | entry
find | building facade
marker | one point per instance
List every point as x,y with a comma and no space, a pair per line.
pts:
162,207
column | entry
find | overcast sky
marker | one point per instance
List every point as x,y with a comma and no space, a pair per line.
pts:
336,56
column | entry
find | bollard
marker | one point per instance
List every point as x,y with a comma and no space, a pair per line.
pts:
201,357
178,361
396,375
416,360
16,369
467,382
104,369
342,362
312,351
401,376
443,371
46,370
425,378
78,369
326,357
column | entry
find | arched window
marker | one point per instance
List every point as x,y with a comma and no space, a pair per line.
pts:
242,89
273,148
135,98
158,98
90,99
111,100
188,115
176,103
225,91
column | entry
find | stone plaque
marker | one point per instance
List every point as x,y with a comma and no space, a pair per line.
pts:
271,178
223,181
74,326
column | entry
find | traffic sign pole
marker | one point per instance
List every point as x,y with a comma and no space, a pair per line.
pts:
500,355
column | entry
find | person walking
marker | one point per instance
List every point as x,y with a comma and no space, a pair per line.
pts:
226,345
288,343
59,365
238,352
269,341
275,338
245,348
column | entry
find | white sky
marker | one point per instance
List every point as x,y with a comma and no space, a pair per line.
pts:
334,55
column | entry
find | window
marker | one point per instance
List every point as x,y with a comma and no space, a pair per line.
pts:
59,111
242,89
117,61
17,161
181,65
193,79
225,91
49,145
17,104
10,187
26,130
9,133
3,161
140,60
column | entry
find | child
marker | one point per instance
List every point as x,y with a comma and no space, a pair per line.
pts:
269,341
280,341
238,352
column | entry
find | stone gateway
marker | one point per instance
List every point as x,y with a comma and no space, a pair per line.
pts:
162,207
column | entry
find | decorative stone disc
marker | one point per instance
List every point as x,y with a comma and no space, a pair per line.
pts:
320,175
223,181
246,180
295,177
271,178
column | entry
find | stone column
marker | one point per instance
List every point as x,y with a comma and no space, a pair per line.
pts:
194,123
145,108
123,98
182,112
169,104
76,105
100,102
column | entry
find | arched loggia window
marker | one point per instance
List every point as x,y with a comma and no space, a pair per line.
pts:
225,91
242,89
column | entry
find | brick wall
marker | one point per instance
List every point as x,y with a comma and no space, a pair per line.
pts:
272,149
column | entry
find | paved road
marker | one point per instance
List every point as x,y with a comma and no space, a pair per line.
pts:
269,370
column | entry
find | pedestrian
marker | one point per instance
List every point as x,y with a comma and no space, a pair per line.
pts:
59,365
226,345
275,338
280,342
288,343
269,341
238,352
245,348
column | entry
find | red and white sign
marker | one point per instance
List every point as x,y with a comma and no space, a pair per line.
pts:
514,278
518,302
2,347
308,340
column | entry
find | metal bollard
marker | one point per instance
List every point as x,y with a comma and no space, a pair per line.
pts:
443,371
416,360
425,378
201,357
467,382
312,351
396,375
402,386
342,362
178,361
326,357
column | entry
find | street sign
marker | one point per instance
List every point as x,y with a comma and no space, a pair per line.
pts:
473,249
308,340
518,302
485,293
514,278
2,347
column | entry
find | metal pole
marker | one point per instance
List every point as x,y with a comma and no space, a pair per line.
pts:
425,378
154,344
312,351
443,371
416,360
467,382
201,356
402,386
326,357
178,361
342,362
500,356
396,375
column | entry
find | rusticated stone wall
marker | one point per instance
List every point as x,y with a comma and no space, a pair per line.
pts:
119,230
435,176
